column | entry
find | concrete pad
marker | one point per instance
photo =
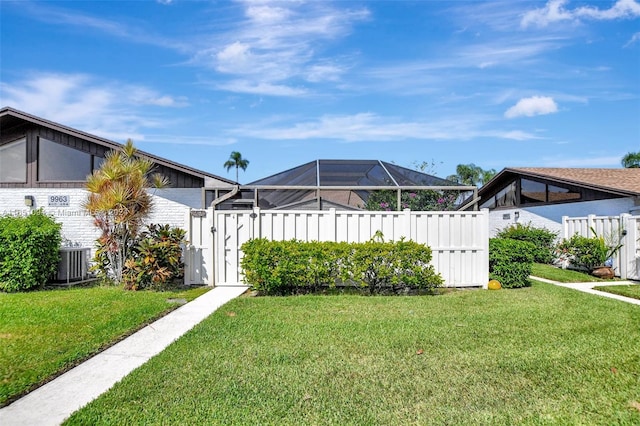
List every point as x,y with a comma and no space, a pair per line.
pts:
55,401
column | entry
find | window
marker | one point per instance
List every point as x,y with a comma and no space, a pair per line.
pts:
13,161
58,162
507,197
532,192
557,194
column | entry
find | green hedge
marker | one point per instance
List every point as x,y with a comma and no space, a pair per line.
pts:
29,251
542,239
282,267
510,262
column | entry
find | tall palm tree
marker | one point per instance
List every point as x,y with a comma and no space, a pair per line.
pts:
236,160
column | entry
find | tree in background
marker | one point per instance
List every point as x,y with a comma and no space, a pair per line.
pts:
119,202
631,160
470,174
236,160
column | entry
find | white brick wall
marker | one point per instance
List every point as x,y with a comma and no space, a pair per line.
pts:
171,206
550,217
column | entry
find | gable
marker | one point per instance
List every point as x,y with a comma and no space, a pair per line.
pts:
37,153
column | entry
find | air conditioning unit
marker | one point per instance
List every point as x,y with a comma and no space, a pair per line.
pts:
73,264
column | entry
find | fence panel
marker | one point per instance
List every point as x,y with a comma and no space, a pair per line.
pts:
623,229
459,240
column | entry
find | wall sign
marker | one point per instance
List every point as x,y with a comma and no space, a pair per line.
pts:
59,200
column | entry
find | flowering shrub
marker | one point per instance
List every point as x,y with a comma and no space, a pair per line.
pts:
420,200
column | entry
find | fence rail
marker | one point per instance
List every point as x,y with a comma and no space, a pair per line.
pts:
459,240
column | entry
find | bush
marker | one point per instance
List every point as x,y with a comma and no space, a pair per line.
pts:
541,238
156,260
583,252
29,251
510,262
281,267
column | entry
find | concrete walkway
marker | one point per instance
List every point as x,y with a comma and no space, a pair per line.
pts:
52,403
588,288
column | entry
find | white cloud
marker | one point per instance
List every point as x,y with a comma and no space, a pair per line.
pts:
261,88
107,109
277,42
634,39
555,11
368,126
591,161
529,107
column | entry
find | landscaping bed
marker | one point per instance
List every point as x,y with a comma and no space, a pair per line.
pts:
45,333
536,355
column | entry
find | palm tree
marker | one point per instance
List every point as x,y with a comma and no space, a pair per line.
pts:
631,160
236,160
119,202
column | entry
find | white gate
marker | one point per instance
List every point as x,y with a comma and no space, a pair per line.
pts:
624,228
199,249
459,240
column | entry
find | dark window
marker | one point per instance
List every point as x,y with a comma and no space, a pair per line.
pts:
61,163
13,161
97,162
507,197
557,194
532,192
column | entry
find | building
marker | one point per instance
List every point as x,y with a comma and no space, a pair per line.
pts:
44,165
339,184
542,196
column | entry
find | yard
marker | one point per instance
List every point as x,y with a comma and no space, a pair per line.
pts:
539,355
44,333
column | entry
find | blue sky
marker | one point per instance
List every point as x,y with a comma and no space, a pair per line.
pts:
495,83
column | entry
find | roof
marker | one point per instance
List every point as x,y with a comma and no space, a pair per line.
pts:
10,117
352,173
618,181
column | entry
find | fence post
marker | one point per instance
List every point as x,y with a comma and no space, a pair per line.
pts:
591,224
257,224
565,227
331,229
407,224
623,253
484,213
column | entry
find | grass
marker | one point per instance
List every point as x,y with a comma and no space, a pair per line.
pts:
44,333
562,275
539,355
632,290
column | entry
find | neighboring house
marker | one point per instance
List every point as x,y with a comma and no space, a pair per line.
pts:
542,196
45,164
327,184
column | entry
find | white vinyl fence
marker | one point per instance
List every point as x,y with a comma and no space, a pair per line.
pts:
459,240
624,228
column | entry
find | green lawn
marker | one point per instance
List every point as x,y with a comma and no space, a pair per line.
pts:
539,355
632,290
562,275
43,333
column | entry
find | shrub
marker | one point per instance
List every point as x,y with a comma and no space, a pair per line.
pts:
29,251
510,262
156,260
280,267
583,252
541,238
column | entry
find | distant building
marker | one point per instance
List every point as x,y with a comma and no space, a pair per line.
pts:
326,184
542,196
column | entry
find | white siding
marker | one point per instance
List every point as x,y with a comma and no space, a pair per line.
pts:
550,216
